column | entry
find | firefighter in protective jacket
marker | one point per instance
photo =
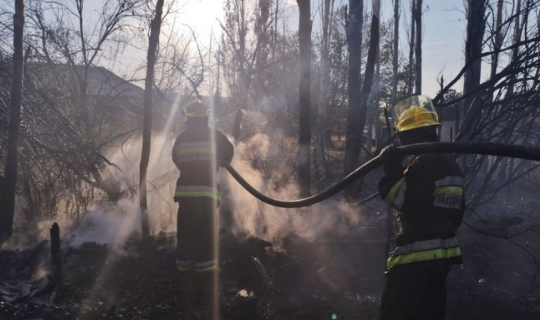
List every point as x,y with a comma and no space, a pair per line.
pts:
198,152
428,194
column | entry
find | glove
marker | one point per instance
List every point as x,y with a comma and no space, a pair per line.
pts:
391,159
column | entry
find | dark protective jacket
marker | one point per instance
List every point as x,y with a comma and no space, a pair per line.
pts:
430,199
193,153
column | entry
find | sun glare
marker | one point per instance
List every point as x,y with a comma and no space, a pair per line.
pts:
202,16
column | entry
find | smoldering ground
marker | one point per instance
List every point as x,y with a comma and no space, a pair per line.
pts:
113,215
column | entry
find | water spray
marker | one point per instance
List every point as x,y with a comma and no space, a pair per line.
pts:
479,148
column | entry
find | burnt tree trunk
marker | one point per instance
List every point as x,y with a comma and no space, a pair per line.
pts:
7,202
364,96
243,70
322,134
410,80
395,56
418,47
373,101
355,23
476,24
155,30
304,139
56,256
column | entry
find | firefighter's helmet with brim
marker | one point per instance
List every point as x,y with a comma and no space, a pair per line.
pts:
415,112
196,108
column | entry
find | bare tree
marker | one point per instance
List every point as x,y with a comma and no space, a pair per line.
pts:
501,107
304,90
395,55
354,154
155,30
412,41
356,113
418,47
476,24
245,40
374,99
7,191
323,136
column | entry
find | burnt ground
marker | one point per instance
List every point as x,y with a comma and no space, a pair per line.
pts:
140,282
296,280
307,281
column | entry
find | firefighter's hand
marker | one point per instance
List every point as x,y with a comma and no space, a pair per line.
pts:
391,160
389,152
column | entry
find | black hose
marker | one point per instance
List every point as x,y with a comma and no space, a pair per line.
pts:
494,149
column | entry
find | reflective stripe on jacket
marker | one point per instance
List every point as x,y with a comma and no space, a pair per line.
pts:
429,196
196,191
424,250
198,152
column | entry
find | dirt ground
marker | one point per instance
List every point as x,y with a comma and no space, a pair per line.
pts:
329,278
326,279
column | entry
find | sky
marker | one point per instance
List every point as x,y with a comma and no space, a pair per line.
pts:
443,31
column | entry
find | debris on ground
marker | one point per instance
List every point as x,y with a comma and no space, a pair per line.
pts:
257,280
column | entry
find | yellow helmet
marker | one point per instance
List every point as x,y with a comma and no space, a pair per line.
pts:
196,108
415,112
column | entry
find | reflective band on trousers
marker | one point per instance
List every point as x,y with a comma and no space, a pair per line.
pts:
396,196
183,265
210,265
196,191
425,250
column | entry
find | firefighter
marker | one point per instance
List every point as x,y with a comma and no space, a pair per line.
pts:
428,194
198,153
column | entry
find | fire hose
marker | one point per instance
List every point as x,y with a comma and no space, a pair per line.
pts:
480,148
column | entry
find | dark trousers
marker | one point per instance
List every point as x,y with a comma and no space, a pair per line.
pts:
415,291
196,230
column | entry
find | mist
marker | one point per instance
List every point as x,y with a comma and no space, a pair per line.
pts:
253,217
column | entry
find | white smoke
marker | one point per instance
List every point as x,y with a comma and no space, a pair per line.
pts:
253,217
112,225
113,221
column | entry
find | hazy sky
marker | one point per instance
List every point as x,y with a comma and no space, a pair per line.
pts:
443,32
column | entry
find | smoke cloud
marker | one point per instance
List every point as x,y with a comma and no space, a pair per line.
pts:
114,217
255,218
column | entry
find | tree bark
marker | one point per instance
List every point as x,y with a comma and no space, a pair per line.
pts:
155,30
321,140
7,201
498,39
395,56
410,82
365,94
476,24
515,51
304,139
373,101
418,48
354,43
